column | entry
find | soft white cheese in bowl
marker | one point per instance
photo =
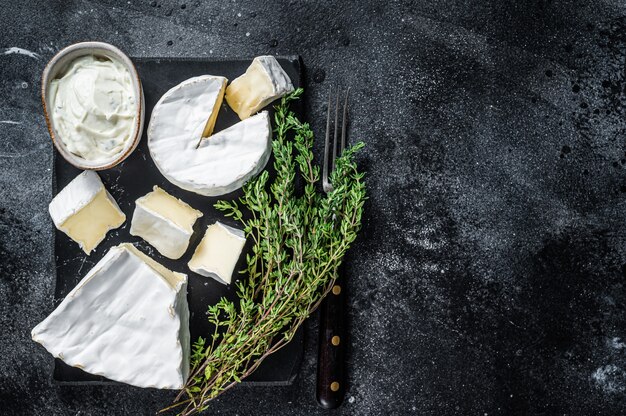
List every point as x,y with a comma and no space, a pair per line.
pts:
94,105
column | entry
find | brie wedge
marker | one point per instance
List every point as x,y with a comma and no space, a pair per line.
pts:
126,320
222,162
85,211
217,254
263,82
165,222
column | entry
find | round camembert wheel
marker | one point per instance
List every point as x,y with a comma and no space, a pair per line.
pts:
223,162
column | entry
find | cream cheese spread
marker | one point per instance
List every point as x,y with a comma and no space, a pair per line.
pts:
94,107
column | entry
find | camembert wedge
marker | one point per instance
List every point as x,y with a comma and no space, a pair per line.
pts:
263,82
85,211
126,320
217,254
210,166
165,222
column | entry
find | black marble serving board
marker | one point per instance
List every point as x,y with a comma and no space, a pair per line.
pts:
135,177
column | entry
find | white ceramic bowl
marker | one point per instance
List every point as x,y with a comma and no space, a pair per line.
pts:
55,69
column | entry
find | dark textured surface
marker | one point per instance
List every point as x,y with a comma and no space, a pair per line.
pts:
489,278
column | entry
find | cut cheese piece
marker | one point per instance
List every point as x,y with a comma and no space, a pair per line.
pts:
85,211
217,254
263,82
126,320
222,162
165,222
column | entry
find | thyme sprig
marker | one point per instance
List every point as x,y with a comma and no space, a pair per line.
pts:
299,241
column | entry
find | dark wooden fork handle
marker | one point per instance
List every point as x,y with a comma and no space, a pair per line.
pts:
331,378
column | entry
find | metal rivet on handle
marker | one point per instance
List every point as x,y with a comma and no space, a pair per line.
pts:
334,386
336,290
335,340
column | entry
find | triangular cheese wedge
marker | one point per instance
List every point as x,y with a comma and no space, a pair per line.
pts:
126,320
165,222
211,166
86,211
264,81
217,254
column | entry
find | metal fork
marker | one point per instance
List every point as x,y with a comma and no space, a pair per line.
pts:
331,386
326,185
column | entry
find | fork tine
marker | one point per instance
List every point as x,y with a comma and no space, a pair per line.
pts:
344,123
325,183
336,135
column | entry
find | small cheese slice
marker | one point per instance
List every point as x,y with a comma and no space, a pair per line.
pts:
215,165
217,254
165,222
126,320
85,211
263,82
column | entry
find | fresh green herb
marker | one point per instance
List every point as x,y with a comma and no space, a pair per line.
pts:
299,241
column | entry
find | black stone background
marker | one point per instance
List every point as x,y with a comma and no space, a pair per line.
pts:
489,276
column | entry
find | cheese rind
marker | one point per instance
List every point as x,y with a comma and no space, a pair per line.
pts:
263,82
217,254
165,222
85,211
127,320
